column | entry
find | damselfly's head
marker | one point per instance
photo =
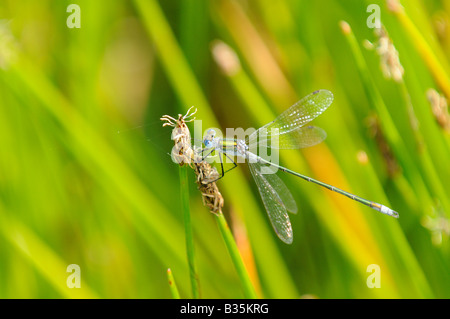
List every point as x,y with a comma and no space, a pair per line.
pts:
209,138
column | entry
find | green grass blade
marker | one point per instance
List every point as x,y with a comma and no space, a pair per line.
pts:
190,250
172,285
249,290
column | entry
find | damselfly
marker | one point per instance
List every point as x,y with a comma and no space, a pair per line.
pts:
291,133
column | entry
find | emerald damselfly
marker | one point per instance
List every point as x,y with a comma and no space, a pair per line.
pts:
290,131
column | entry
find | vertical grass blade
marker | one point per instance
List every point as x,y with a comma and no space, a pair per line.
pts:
172,285
249,290
190,250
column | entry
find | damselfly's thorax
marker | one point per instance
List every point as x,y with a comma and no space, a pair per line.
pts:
241,147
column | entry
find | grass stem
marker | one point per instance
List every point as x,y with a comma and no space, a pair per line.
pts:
249,290
172,285
188,232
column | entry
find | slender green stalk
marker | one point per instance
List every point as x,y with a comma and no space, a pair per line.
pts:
188,232
249,290
172,285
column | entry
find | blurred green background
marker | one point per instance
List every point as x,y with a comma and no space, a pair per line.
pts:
85,176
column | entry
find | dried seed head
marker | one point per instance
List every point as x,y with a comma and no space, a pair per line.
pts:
362,157
182,152
441,25
374,126
8,45
439,108
225,57
389,60
438,224
211,196
394,6
345,27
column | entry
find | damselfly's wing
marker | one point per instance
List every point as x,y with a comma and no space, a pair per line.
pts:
270,190
302,112
294,119
284,195
300,138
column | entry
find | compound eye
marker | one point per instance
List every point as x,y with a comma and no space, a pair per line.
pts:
209,137
211,132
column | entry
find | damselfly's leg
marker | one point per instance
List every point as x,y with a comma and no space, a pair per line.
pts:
204,157
221,165
234,164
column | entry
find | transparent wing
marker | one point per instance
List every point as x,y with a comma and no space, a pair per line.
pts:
302,112
285,197
275,207
300,138
298,115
